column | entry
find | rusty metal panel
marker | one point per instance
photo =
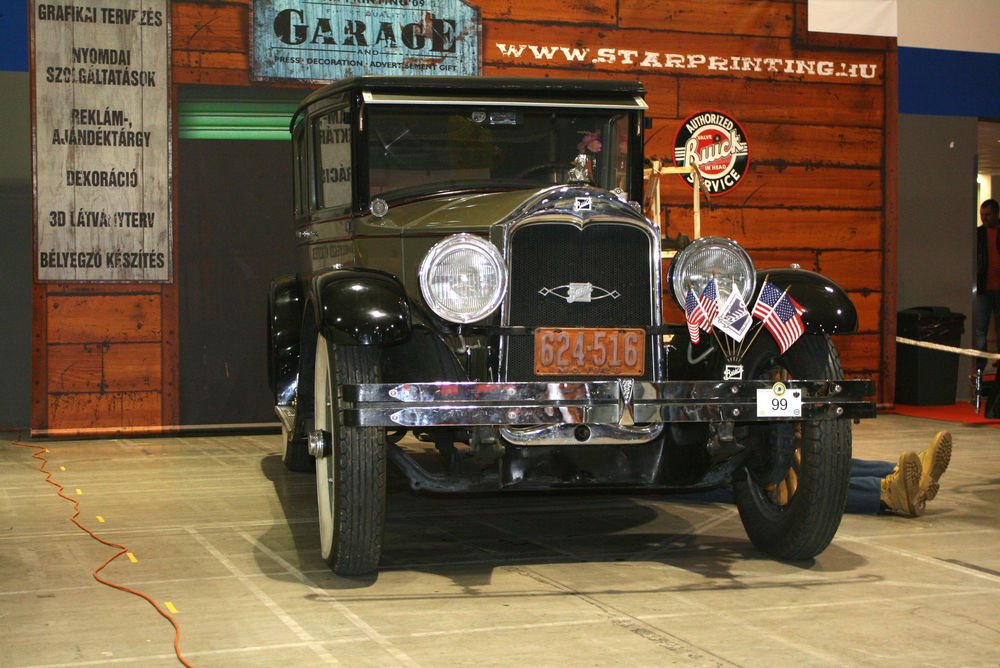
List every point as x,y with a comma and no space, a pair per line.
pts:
325,41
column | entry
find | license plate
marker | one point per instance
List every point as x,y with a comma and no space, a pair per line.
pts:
590,351
779,401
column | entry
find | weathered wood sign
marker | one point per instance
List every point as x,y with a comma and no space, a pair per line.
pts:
102,140
323,41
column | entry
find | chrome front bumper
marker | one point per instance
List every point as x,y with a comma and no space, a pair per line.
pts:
622,403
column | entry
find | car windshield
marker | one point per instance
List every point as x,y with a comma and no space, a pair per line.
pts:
415,150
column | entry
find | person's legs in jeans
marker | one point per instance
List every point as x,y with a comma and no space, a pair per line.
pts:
984,306
865,488
993,298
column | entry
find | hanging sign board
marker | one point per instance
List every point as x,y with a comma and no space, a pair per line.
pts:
325,41
715,143
102,140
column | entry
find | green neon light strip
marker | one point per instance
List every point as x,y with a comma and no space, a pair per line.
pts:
234,120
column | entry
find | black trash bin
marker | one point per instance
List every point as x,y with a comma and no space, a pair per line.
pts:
926,377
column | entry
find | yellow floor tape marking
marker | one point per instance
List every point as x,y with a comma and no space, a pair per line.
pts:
170,607
131,557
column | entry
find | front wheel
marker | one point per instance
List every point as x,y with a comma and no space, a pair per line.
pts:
296,456
350,469
794,516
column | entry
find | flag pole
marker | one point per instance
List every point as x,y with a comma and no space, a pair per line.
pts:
752,339
768,316
724,349
739,351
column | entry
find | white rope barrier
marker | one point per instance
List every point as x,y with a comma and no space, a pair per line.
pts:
971,352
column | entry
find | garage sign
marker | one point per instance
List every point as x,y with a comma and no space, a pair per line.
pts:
324,41
716,144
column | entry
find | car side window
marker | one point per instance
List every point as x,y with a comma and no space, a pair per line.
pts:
300,183
617,161
332,148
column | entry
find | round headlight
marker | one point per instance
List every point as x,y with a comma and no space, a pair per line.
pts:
710,257
463,278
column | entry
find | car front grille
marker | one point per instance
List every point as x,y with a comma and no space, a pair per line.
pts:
545,258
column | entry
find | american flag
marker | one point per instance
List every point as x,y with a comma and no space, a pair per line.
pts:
781,317
695,314
710,303
769,296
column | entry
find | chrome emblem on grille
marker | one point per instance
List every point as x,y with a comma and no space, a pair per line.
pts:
579,292
627,386
583,204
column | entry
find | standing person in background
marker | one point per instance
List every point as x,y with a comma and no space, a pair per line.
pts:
986,303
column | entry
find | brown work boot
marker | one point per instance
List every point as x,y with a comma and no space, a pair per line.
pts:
901,488
934,460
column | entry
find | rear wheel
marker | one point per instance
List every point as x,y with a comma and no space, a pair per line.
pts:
350,469
792,491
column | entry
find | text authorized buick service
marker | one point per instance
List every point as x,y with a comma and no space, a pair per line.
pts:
715,144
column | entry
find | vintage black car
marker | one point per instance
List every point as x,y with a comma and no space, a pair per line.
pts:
475,274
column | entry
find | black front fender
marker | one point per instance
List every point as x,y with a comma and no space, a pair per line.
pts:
284,326
828,308
361,307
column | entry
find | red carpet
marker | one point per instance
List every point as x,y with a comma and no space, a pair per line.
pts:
961,412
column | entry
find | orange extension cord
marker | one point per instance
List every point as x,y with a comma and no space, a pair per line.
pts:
39,454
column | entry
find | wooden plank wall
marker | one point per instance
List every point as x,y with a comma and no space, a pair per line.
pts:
819,192
820,187
104,359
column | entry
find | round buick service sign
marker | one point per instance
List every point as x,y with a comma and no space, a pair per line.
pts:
716,144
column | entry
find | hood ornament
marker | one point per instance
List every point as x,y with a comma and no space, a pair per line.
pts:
580,172
580,293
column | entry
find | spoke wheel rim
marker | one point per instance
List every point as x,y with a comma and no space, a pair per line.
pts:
781,493
324,463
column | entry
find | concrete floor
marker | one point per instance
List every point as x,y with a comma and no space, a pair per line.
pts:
217,530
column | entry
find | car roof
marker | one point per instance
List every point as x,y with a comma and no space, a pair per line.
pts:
511,88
